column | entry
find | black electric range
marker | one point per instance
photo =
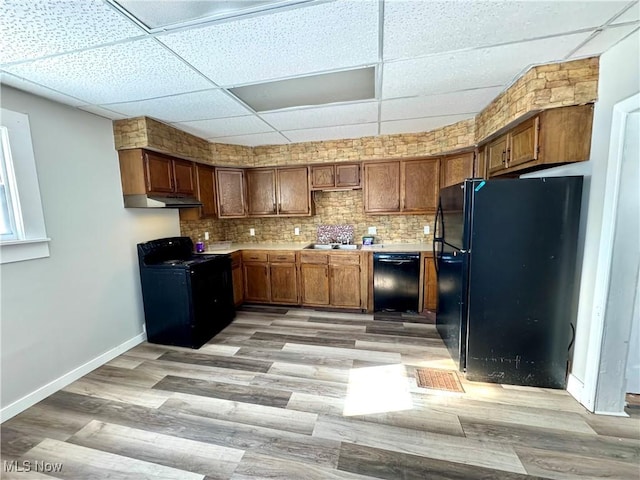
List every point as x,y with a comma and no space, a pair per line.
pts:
187,297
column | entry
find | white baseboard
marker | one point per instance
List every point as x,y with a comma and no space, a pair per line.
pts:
575,387
43,392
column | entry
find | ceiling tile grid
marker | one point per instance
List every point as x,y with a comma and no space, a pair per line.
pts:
436,62
37,28
124,72
323,37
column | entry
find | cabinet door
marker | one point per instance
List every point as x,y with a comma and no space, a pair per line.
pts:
382,187
420,185
206,190
314,283
348,175
184,176
237,278
284,283
230,190
256,282
294,196
455,168
322,176
430,294
261,192
523,146
480,167
159,173
344,285
496,154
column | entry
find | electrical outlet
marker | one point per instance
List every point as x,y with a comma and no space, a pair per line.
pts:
296,231
372,231
252,232
427,230
206,235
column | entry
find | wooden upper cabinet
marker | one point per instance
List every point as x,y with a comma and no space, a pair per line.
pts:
335,176
143,171
205,192
323,176
184,177
455,168
480,165
420,185
261,192
523,142
496,154
382,187
230,193
294,195
159,173
554,136
348,175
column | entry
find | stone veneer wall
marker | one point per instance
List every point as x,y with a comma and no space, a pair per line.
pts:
331,208
542,87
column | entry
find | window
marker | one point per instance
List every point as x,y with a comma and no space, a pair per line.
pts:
22,229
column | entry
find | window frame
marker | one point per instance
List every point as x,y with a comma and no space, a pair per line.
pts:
31,240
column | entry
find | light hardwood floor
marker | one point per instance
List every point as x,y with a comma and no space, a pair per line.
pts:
301,394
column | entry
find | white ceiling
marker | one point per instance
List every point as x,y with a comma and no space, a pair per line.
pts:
436,62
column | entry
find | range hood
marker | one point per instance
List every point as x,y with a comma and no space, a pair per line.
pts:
158,201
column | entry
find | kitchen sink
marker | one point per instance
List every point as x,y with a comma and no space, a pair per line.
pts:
332,246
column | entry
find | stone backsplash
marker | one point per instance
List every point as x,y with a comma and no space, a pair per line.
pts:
331,208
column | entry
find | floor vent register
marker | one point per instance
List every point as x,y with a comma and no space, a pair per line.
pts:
439,379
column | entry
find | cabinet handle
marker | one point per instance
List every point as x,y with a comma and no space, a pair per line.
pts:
279,207
274,207
508,154
504,155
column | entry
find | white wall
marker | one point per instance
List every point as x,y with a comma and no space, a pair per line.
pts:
619,79
84,301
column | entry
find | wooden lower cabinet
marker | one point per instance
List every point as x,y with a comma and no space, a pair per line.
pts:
314,283
237,278
256,282
333,280
270,277
284,283
430,293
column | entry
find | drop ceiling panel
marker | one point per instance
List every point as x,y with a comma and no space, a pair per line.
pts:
630,15
103,112
323,116
603,41
39,28
116,73
470,101
225,127
328,36
13,81
332,133
269,138
413,28
420,124
487,67
188,106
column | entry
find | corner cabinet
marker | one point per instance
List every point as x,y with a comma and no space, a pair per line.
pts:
231,198
555,136
205,192
144,171
402,186
278,192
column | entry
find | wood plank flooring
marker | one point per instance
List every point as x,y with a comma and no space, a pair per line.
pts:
303,394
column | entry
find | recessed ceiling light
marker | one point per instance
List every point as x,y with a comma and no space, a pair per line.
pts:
345,86
171,14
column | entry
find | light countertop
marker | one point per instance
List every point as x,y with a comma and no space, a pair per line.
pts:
295,246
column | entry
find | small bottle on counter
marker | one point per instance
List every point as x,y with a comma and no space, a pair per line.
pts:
200,245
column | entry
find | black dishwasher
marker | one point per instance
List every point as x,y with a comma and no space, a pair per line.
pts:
396,282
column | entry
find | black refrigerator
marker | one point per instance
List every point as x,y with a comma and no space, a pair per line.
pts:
505,253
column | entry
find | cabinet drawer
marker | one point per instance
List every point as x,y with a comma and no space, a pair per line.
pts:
254,256
345,259
306,257
282,257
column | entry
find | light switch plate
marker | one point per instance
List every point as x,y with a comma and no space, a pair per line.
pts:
426,229
296,231
372,231
252,232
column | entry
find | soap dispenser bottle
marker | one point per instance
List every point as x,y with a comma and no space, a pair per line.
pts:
200,245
